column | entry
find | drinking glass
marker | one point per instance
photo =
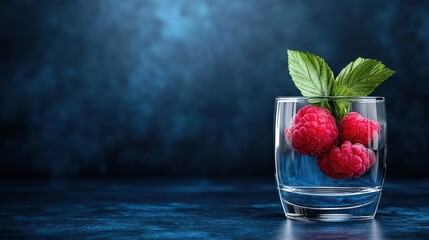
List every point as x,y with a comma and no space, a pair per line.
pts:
306,193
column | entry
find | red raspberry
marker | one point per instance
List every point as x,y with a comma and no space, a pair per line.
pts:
357,129
351,160
313,131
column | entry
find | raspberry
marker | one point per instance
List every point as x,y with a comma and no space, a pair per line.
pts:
313,131
357,129
351,160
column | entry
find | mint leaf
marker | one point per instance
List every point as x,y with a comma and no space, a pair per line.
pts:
361,77
310,73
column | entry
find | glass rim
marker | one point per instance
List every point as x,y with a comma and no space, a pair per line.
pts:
351,98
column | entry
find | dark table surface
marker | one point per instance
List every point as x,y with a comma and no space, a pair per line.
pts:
191,209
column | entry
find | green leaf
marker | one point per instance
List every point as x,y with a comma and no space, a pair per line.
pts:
340,108
360,77
321,102
310,73
313,77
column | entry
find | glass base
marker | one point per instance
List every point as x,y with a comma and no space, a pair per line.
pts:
330,204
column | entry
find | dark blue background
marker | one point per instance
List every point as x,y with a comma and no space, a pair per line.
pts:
187,88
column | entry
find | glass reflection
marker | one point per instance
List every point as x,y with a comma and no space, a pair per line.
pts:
292,230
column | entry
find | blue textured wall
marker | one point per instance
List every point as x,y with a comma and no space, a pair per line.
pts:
138,88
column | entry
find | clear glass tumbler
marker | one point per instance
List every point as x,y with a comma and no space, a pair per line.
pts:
306,193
